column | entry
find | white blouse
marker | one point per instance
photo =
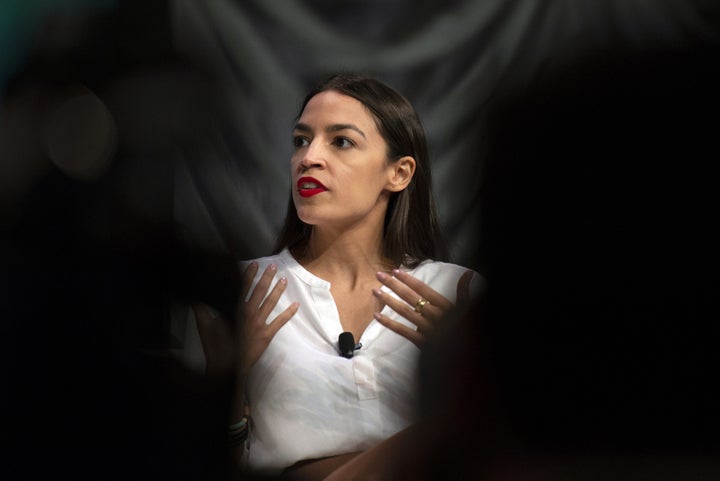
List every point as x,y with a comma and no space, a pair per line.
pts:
306,401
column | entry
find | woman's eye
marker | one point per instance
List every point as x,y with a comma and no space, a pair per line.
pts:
343,142
300,141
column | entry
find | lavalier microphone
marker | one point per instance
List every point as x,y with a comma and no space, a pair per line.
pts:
346,344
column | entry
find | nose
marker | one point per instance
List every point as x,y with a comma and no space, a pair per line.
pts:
312,156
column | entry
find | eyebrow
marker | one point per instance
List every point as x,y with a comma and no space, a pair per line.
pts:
331,128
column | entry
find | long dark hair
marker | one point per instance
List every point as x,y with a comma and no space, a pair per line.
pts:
411,230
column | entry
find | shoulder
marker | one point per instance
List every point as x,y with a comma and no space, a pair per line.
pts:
429,265
444,276
430,269
281,260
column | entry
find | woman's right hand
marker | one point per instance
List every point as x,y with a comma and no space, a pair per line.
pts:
239,344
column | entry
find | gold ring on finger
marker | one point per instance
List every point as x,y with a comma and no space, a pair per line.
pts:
420,304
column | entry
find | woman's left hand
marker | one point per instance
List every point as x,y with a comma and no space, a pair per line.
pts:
418,303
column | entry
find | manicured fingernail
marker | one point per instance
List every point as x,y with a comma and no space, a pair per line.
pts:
272,267
295,305
396,272
381,276
283,280
377,316
376,292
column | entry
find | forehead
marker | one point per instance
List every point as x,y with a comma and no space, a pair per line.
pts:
332,107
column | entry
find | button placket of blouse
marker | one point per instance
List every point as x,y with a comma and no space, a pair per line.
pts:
365,381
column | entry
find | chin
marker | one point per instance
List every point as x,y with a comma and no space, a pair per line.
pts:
306,216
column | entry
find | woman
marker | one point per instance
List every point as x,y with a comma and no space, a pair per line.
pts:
360,252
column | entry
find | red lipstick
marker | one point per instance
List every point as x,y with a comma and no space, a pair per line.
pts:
309,186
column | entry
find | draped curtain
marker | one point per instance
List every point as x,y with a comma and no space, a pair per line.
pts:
449,58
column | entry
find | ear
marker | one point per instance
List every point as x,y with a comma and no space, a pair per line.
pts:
401,173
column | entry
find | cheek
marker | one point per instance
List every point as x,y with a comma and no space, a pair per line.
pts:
366,193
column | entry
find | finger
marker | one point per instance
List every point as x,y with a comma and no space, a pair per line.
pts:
282,319
463,287
412,335
398,287
406,310
262,287
271,300
248,276
423,290
430,310
256,342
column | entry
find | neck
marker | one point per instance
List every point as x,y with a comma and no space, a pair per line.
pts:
348,254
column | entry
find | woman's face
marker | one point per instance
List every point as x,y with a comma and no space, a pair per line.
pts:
340,172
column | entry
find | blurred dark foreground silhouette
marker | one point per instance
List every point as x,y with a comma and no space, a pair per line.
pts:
594,353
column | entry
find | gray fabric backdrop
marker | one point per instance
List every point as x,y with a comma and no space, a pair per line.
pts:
449,58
